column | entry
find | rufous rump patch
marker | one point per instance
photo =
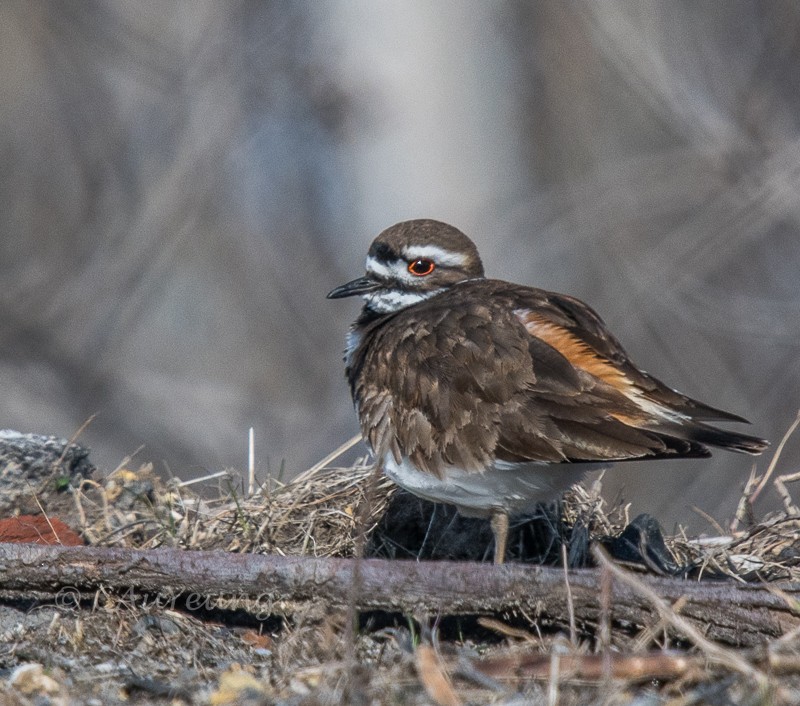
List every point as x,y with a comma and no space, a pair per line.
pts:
576,351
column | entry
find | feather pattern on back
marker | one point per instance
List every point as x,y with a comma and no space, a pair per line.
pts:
491,370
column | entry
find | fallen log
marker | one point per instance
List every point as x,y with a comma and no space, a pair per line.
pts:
726,611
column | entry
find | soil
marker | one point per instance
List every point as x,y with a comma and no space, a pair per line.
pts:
131,647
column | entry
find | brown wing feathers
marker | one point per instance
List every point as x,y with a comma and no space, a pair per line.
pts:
448,383
582,321
577,352
671,415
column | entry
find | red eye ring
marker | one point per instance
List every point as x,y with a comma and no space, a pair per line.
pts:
421,266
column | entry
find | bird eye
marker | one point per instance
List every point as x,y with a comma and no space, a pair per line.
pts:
421,267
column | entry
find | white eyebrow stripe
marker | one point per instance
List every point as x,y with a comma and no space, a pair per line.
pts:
433,252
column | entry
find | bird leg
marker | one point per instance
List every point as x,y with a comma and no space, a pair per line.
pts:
499,523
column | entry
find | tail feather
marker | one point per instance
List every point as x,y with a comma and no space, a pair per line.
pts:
698,410
724,439
713,436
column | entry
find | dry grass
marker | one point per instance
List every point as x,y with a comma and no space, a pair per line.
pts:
316,514
166,651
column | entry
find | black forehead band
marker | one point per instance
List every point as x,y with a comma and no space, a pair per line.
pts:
382,253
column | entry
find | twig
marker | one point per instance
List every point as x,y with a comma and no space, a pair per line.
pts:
708,518
251,463
513,667
606,585
712,650
553,678
46,517
775,458
330,458
780,485
648,635
434,677
356,585
573,631
736,614
593,668
756,484
75,436
203,479
507,630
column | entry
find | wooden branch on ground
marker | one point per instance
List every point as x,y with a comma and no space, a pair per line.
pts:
730,612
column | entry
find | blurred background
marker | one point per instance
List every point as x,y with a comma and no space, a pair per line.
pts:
183,182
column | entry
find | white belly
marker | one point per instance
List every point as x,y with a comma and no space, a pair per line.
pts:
515,488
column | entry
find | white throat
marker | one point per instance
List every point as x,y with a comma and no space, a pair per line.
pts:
389,300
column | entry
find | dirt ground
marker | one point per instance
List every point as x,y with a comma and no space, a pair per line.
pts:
72,646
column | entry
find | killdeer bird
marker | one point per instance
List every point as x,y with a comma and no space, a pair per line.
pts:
493,396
